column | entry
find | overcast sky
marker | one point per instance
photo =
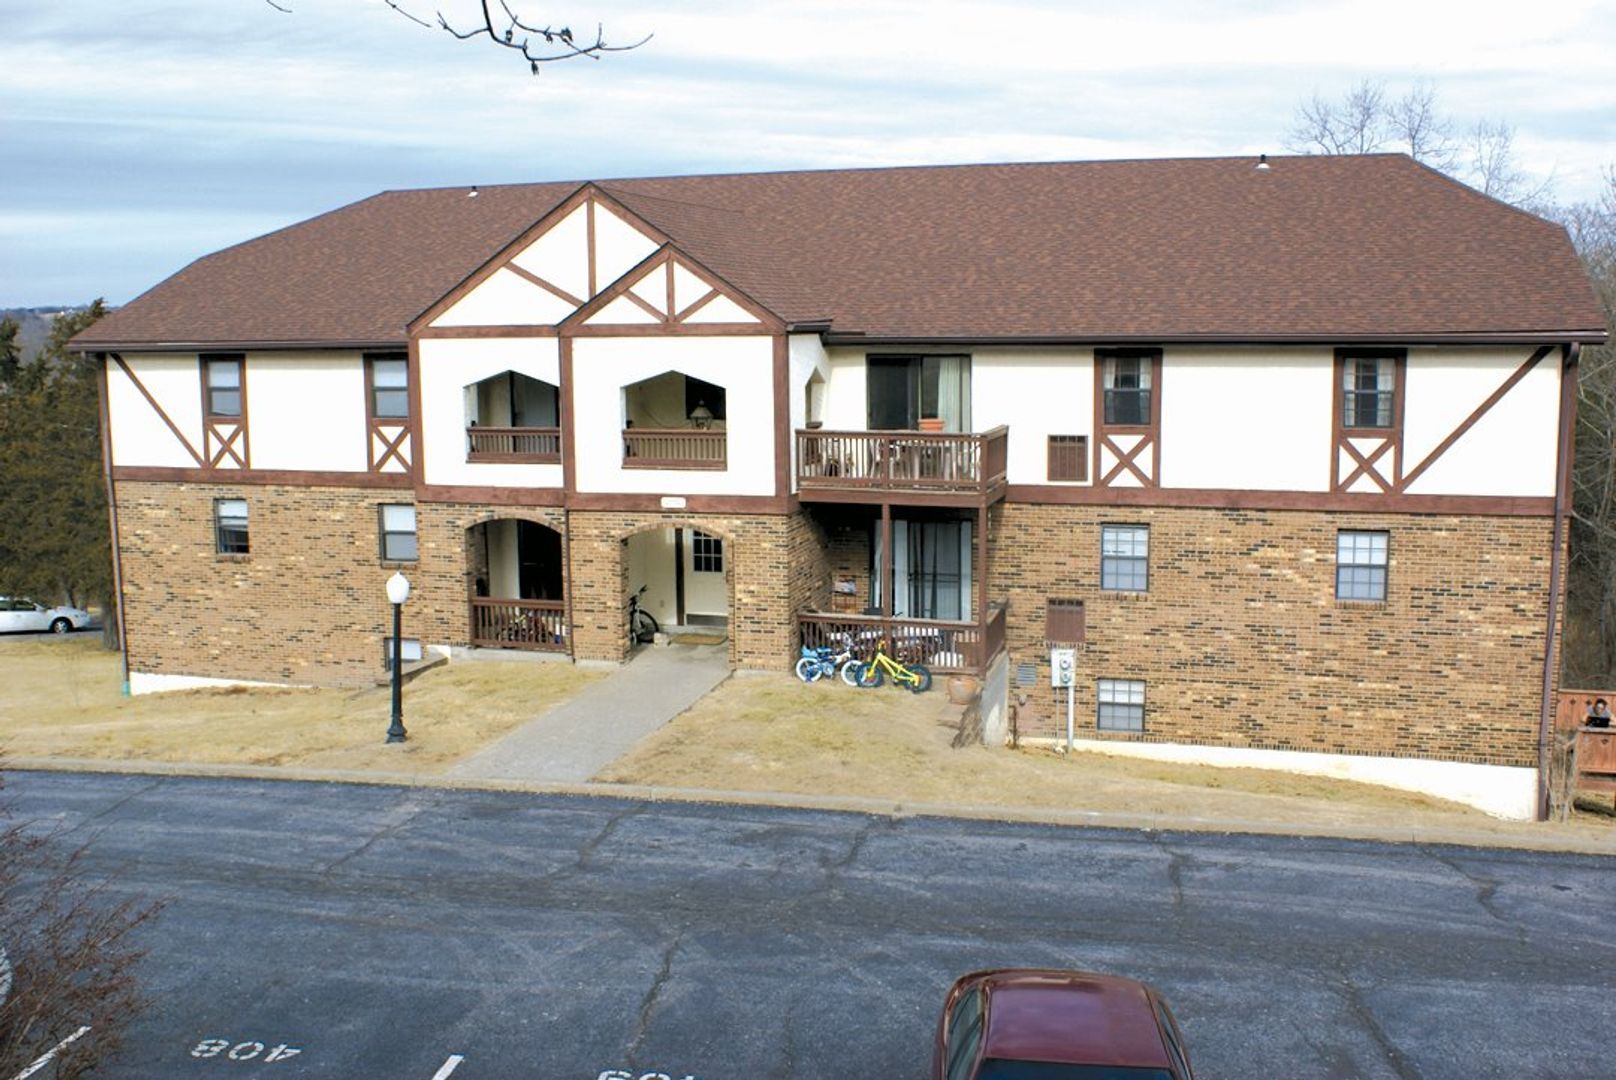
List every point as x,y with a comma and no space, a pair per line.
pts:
141,134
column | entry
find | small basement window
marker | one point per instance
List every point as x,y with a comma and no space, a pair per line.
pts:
409,651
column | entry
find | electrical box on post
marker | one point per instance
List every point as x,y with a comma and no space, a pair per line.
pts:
1062,667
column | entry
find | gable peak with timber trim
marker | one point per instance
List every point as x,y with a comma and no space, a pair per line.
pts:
556,266
670,292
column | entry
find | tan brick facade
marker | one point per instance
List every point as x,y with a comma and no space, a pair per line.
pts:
1241,642
1239,637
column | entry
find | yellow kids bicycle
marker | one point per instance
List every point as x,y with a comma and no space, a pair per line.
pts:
875,671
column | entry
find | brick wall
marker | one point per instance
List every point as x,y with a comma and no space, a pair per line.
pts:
1241,642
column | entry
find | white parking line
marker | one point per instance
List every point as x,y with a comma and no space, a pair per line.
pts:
442,1074
45,1059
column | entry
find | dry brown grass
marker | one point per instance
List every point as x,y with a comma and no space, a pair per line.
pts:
771,733
62,699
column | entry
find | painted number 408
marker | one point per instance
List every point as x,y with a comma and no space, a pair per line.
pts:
243,1051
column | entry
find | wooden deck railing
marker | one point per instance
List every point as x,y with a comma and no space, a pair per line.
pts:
523,444
931,461
675,448
944,646
519,624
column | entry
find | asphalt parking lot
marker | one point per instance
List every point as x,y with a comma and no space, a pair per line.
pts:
421,933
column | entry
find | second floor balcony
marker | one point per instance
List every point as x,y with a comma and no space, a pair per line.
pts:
881,466
534,445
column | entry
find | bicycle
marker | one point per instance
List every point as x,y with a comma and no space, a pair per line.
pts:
916,678
642,625
823,662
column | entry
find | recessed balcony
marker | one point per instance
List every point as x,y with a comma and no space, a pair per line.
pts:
530,445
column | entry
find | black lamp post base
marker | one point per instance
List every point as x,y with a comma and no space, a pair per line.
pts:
396,733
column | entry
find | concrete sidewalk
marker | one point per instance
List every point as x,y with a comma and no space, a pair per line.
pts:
575,740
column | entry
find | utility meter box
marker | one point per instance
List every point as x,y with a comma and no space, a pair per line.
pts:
1062,667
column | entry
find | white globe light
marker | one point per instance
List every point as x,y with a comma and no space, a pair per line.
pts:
398,588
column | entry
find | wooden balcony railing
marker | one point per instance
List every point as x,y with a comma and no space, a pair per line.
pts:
518,444
519,624
943,646
872,462
675,448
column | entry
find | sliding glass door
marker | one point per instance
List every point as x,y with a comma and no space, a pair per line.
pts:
902,390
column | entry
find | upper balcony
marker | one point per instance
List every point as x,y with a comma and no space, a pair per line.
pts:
917,467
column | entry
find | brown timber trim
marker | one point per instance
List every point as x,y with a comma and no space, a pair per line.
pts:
112,513
513,330
1231,499
782,416
592,284
287,477
1562,482
1470,421
568,427
533,279
576,323
694,504
490,496
1149,434
145,393
235,444
412,368
1391,437
697,304
392,448
875,496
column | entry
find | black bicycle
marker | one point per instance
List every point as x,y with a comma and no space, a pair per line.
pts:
642,627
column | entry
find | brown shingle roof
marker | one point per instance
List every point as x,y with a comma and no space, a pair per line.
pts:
1315,247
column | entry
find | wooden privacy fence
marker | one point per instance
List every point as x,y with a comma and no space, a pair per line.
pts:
536,445
675,448
942,645
519,624
1583,758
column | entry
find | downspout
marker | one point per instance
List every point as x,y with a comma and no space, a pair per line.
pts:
1562,481
112,516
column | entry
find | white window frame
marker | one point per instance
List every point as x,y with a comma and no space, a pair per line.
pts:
1362,565
1120,705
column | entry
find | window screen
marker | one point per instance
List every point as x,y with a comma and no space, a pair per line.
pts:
230,526
1360,565
1122,705
1124,558
398,533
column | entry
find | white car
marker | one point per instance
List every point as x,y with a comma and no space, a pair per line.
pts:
19,613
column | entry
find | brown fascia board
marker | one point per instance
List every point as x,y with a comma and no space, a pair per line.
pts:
232,346
1511,337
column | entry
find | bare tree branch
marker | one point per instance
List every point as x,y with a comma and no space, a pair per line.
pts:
536,44
277,7
1424,132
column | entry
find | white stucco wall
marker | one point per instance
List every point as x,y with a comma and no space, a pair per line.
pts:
1037,393
805,355
306,411
1511,450
139,436
561,255
506,299
602,367
619,246
845,405
448,366
1254,418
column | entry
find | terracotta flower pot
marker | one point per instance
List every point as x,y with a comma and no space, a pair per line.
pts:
962,689
931,423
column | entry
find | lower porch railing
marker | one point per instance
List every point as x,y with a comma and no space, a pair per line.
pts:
944,646
519,624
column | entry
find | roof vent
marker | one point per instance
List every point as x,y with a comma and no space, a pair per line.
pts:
1262,165
472,194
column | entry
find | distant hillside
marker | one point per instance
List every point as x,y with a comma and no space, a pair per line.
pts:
36,324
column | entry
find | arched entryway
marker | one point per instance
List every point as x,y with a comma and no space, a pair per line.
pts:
686,574
518,587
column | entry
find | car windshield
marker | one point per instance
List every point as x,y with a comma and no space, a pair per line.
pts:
999,1069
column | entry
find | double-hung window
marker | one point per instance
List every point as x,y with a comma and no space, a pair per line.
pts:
398,533
1360,565
1126,385
1368,391
389,386
1124,558
1122,705
230,526
222,381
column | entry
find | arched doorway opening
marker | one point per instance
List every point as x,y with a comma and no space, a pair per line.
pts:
518,588
685,573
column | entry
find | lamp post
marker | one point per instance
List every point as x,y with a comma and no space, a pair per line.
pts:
398,591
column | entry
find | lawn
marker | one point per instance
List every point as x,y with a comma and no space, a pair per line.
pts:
61,698
772,733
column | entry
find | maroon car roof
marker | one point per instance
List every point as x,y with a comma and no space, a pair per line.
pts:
1072,1018
1208,248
